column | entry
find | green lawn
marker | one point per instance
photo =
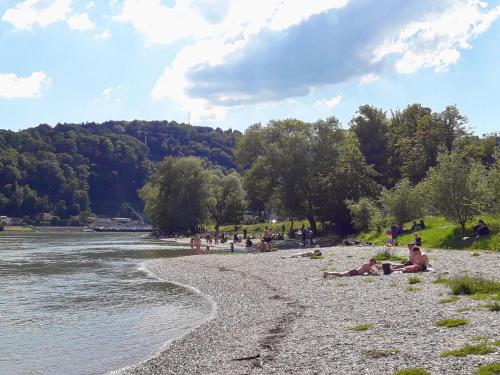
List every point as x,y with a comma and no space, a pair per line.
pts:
443,234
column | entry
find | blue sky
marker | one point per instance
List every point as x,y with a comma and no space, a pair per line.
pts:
231,63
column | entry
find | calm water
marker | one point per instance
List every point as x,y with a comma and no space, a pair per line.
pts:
82,303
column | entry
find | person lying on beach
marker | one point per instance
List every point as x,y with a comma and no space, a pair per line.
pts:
367,268
264,246
316,252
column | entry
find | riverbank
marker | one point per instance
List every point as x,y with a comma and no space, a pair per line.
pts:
279,316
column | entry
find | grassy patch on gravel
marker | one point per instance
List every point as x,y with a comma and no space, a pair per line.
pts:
449,300
474,287
480,349
378,353
414,280
412,371
361,327
450,323
492,306
489,369
386,255
412,289
316,257
479,338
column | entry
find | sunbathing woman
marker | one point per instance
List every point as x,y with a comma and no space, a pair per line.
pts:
365,268
316,252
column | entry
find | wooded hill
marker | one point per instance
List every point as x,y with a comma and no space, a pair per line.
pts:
70,169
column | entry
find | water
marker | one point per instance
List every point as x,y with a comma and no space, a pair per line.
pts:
82,303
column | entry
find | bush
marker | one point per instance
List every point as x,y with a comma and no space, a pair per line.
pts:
403,203
490,369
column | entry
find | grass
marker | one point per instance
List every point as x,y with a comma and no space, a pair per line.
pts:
411,289
480,349
412,371
414,280
489,369
13,228
449,300
464,309
377,353
475,287
474,254
479,338
342,284
450,323
361,327
316,257
386,255
495,306
368,280
443,234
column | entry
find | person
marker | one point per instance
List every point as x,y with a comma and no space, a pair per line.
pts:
191,242
216,237
303,235
245,232
232,247
263,246
365,268
418,262
207,249
418,240
481,229
394,234
311,253
414,226
248,242
422,224
197,244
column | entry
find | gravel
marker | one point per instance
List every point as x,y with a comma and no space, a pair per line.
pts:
279,316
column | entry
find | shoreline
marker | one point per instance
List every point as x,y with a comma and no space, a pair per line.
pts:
278,316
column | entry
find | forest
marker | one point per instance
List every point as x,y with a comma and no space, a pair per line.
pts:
74,169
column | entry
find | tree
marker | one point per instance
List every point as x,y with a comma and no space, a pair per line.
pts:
226,198
402,203
457,187
175,197
366,215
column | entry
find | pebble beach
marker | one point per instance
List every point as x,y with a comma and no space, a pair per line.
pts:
279,316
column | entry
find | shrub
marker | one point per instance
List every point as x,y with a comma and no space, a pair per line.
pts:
386,254
366,215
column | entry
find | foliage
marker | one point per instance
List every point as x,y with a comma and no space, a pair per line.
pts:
386,254
457,189
449,300
480,349
450,323
361,327
489,369
402,203
366,215
226,198
412,371
304,170
414,280
467,285
72,168
176,196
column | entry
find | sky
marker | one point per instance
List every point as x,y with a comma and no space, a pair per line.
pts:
233,63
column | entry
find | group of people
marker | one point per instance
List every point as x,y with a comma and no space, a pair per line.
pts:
417,262
480,229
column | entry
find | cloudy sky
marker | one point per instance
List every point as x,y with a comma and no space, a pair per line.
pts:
231,63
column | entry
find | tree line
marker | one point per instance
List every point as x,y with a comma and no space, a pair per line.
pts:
74,169
383,167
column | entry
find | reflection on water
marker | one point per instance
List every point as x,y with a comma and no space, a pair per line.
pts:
81,303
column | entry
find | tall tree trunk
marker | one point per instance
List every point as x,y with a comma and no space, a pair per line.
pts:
312,223
291,227
462,225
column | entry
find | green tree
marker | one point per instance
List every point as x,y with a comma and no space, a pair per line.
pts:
366,215
457,188
175,197
226,198
402,203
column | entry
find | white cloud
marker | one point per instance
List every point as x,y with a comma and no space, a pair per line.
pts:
369,78
242,52
29,13
109,94
12,86
332,102
104,35
435,41
80,21
90,5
